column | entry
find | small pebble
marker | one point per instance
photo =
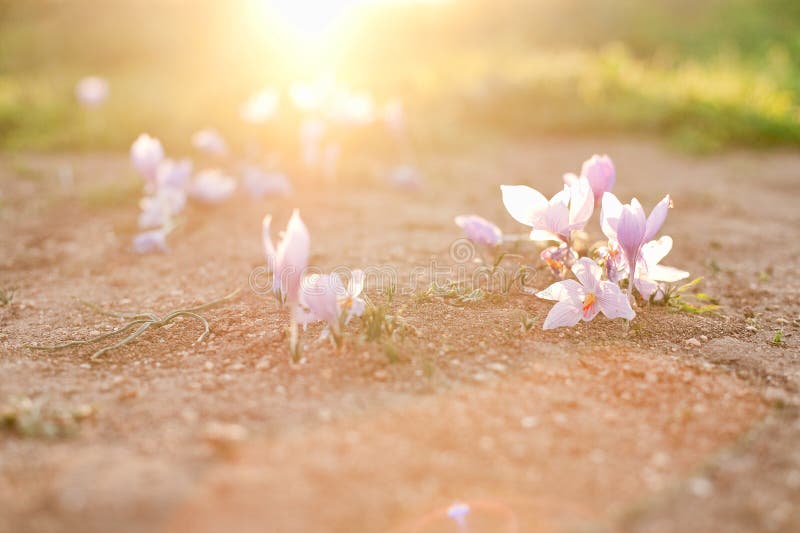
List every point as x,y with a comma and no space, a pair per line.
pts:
693,342
781,321
703,338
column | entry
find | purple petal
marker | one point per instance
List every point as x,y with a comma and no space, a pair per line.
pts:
613,302
599,170
657,217
564,313
479,230
150,241
631,231
588,273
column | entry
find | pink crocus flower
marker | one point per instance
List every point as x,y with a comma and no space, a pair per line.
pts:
556,219
288,262
91,91
173,174
212,187
629,226
152,241
146,155
289,259
479,230
583,299
209,140
325,299
599,171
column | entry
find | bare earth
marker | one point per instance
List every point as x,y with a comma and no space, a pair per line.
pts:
590,429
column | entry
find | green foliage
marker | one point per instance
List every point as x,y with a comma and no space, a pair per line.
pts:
777,339
379,323
677,298
454,293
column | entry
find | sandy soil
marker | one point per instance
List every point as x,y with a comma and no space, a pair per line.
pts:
590,429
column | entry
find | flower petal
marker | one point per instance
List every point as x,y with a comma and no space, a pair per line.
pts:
564,313
562,290
666,273
613,302
657,217
654,251
356,283
609,215
588,273
522,202
631,231
581,204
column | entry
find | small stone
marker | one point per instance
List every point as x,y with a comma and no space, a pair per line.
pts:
781,320
751,328
86,366
224,436
380,375
209,365
692,342
703,338
528,422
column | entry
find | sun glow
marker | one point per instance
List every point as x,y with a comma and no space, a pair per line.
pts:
311,19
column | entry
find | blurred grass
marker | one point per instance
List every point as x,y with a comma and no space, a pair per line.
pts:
705,76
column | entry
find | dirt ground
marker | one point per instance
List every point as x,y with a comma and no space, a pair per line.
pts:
589,429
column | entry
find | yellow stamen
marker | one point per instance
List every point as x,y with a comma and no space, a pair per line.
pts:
588,302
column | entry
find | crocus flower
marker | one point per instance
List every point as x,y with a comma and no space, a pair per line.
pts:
599,171
614,262
325,299
158,209
289,259
173,174
559,259
479,230
583,299
150,241
260,107
630,227
260,184
650,273
146,155
556,219
209,140
212,187
91,91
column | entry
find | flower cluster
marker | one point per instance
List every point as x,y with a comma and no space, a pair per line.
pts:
309,297
631,254
630,257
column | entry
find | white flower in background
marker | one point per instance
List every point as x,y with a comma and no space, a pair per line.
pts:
212,187
152,241
91,91
261,106
146,156
173,174
210,141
